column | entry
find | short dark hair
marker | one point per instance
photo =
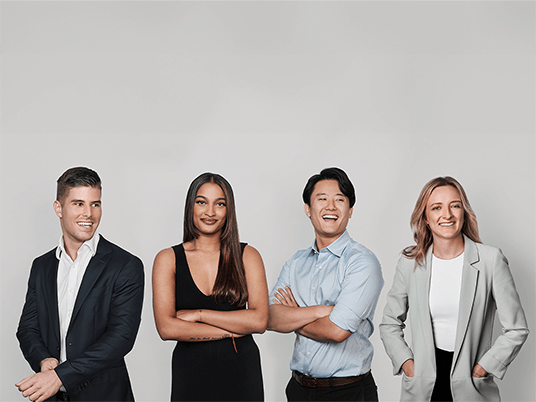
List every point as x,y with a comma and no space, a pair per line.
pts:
76,177
332,173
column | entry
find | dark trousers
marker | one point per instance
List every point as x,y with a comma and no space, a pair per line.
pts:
441,392
364,390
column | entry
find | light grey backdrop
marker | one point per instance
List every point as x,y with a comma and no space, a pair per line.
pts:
151,94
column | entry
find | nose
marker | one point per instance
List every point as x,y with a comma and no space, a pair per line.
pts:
447,213
87,211
331,203
210,210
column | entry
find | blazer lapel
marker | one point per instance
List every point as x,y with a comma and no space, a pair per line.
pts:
93,271
51,293
467,294
423,276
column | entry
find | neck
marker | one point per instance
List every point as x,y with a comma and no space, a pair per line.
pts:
323,242
447,249
71,247
207,244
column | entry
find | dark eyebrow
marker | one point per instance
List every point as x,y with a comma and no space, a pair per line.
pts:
91,202
205,198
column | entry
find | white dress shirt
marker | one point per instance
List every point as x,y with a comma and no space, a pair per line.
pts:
70,275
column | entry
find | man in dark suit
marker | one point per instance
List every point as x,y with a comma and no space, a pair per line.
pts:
83,305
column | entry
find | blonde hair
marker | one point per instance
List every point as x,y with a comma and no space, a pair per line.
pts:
421,232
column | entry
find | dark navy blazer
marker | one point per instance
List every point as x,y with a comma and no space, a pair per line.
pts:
103,327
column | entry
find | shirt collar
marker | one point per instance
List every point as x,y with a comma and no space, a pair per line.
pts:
91,244
337,247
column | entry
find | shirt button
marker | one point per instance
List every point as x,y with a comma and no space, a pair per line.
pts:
314,288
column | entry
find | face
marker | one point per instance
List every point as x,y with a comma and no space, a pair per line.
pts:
80,214
210,209
329,211
444,213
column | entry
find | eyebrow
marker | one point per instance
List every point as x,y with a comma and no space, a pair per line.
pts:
91,202
217,199
336,195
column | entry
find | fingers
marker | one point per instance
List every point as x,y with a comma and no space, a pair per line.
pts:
291,296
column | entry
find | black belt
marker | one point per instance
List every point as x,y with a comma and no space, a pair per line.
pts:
313,382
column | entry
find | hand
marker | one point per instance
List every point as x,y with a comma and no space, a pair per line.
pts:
50,363
40,386
479,372
285,297
189,315
409,368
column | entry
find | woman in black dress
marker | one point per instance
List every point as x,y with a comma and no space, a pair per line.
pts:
200,291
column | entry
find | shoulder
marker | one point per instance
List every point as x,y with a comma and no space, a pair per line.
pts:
118,254
45,258
165,257
357,254
250,254
489,255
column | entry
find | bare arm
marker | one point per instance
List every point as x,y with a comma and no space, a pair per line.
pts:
169,327
255,317
203,325
287,316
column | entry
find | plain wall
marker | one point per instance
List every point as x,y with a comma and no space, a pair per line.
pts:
151,94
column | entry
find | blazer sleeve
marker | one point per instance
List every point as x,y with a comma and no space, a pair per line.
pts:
394,317
28,333
511,316
123,323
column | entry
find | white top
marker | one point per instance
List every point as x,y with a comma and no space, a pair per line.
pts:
70,274
445,287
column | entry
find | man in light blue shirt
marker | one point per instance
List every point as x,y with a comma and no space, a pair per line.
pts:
327,295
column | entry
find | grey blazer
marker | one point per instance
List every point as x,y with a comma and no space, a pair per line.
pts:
487,286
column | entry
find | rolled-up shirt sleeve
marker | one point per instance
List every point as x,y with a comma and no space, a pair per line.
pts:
360,290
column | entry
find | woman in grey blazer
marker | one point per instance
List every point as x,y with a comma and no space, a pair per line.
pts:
454,285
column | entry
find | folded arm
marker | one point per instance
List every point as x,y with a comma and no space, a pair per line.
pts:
206,325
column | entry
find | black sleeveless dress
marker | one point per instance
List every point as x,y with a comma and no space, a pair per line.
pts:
212,370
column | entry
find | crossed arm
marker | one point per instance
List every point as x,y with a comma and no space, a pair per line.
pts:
312,322
208,325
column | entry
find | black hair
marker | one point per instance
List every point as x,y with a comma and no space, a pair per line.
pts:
332,173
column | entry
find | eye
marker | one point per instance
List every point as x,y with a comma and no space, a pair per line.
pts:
435,208
78,204
457,206
200,202
96,205
221,204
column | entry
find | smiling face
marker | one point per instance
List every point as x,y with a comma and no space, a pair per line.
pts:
210,209
444,213
80,214
329,212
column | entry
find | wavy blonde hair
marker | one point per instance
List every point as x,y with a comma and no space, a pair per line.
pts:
421,232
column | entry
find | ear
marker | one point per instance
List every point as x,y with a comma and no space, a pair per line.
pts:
350,212
307,210
57,208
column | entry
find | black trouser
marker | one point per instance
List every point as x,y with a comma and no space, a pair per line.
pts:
442,391
364,390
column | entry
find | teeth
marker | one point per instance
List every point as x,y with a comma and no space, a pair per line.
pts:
329,217
85,223
446,224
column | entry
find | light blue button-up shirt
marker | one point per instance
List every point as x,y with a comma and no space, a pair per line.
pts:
347,275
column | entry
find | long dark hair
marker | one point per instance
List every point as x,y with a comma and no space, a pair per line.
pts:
422,233
230,282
